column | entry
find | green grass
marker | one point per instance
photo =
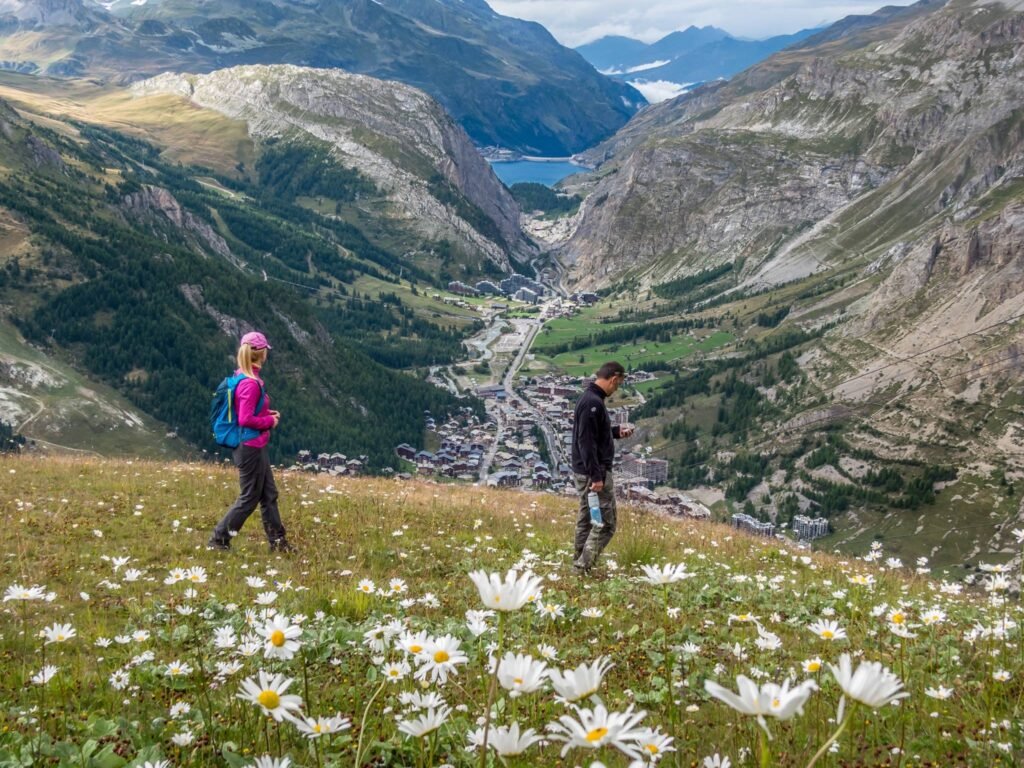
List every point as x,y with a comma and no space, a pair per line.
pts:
77,414
646,387
638,354
186,133
66,519
958,529
421,303
563,329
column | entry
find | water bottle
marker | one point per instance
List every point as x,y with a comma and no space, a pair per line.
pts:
595,510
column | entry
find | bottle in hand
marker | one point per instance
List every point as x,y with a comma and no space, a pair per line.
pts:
595,510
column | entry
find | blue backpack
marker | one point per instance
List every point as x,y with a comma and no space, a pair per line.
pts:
224,414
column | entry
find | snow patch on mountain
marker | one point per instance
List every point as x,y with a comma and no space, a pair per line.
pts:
637,68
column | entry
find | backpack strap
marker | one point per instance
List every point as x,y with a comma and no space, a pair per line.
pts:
262,397
259,401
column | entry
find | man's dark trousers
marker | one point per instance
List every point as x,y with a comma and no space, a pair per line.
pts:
591,541
256,483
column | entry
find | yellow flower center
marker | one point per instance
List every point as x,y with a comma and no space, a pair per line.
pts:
497,598
776,703
597,734
269,699
277,638
393,672
415,649
898,618
517,680
652,749
813,666
440,657
365,588
827,634
317,728
60,638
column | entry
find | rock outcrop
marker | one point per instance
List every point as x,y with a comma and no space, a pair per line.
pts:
159,204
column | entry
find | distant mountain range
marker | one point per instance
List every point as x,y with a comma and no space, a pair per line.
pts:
508,82
692,55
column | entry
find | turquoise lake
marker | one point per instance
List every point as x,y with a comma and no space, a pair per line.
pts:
549,174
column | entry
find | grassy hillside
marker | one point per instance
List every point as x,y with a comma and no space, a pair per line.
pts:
56,407
142,272
104,538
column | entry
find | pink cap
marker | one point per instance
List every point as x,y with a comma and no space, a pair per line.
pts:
256,340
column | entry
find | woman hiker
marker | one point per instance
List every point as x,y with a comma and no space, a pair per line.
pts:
255,477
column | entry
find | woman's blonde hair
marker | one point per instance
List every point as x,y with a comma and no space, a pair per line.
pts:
249,357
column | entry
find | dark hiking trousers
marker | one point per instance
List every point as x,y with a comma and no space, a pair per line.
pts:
256,483
591,541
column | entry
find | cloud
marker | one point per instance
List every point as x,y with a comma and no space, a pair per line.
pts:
660,90
574,22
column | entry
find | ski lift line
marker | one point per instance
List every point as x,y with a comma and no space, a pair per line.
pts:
871,403
866,404
297,285
923,352
1011,360
963,372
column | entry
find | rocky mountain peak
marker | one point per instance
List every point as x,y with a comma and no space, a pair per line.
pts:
53,13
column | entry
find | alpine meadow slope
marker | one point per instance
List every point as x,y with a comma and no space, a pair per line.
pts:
384,624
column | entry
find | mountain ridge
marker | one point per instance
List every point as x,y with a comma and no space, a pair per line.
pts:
852,210
338,107
507,82
687,56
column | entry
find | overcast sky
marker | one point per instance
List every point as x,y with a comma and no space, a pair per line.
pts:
574,22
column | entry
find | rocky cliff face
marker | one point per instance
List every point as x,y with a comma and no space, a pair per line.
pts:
160,207
914,109
396,135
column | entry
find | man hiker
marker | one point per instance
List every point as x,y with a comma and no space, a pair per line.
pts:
592,454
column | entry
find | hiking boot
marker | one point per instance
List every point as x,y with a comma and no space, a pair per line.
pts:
282,546
215,544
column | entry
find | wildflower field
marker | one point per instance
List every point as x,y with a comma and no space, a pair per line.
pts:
425,625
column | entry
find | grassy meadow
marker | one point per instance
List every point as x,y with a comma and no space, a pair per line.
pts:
583,361
155,650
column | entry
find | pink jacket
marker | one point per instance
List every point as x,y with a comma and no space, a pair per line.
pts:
247,394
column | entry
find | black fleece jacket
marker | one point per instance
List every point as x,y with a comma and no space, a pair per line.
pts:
592,435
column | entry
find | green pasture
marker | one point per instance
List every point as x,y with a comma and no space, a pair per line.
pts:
580,362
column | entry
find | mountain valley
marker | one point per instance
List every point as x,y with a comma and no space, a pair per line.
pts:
851,210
